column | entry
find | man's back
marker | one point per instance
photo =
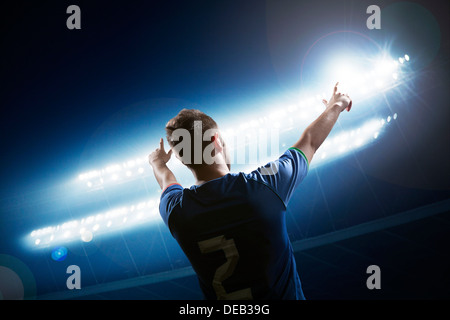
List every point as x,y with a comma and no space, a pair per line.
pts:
232,226
233,231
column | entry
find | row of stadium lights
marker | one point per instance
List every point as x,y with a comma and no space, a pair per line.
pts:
353,139
86,228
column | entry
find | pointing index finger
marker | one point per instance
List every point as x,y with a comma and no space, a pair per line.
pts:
335,87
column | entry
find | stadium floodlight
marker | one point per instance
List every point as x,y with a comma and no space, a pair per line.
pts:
356,75
351,140
85,229
343,142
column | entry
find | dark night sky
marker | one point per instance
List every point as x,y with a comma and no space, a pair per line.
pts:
60,85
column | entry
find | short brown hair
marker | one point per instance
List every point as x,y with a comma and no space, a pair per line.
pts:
186,119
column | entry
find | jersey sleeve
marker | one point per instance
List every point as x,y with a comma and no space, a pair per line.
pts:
170,197
284,174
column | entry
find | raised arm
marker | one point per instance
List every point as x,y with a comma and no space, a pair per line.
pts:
158,160
316,133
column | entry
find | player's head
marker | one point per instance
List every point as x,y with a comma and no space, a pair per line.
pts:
196,140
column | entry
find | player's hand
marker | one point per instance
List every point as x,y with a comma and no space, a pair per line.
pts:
159,156
341,100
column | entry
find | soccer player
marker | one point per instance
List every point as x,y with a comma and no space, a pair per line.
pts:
232,226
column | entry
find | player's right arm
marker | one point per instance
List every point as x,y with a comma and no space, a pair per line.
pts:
316,133
158,159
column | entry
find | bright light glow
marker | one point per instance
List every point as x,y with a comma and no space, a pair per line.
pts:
379,83
87,236
356,74
347,141
89,175
113,168
359,79
341,143
82,229
385,67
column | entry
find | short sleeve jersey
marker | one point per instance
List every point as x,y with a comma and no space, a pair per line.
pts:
233,230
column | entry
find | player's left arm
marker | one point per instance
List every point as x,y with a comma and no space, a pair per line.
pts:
316,133
158,160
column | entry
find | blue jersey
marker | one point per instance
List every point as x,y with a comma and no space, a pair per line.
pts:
233,230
